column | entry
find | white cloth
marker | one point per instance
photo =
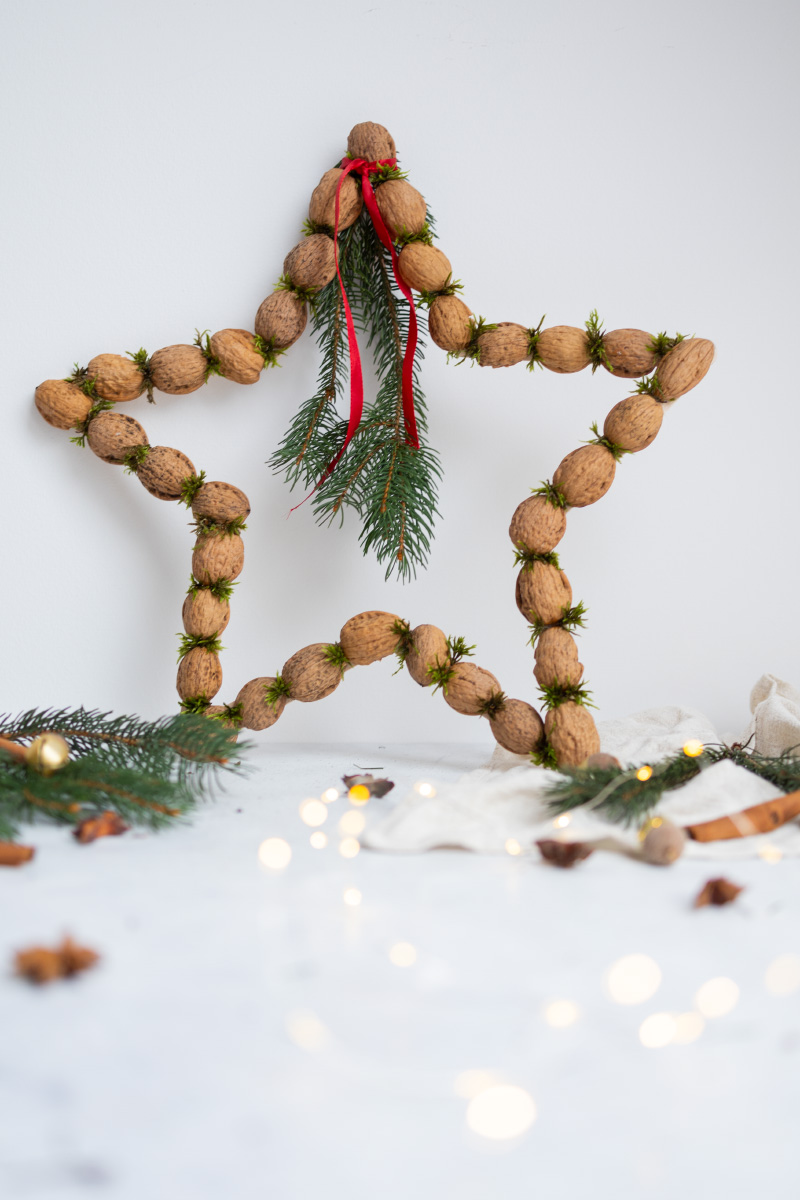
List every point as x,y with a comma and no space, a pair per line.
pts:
508,797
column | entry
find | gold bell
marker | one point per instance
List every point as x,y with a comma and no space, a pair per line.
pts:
47,753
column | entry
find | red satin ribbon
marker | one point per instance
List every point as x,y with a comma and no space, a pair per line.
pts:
363,167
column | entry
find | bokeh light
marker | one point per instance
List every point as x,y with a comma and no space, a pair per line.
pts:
562,822
274,854
330,794
512,846
560,1014
633,979
501,1112
470,1083
693,748
425,789
352,822
644,773
313,812
349,847
319,840
783,975
657,1030
403,954
717,997
352,897
305,1030
688,1027
770,853
358,793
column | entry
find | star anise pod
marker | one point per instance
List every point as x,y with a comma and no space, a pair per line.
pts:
41,964
106,824
717,891
563,854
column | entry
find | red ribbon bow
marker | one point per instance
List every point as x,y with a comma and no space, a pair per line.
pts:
363,167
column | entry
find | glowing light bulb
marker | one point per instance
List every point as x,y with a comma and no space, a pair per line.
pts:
770,854
319,840
560,1014
501,1112
349,847
305,1030
633,979
644,773
274,854
313,812
403,954
330,794
352,897
693,748
470,1083
717,997
657,1030
425,789
688,1027
352,821
562,822
513,846
358,793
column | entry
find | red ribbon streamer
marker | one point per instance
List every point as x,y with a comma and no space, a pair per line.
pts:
363,167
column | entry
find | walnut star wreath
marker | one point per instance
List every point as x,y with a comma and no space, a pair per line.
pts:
368,262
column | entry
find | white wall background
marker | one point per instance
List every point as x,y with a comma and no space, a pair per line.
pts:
157,163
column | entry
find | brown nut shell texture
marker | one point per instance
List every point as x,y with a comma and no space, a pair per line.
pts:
309,674
217,556
111,435
469,687
628,354
430,650
322,208
557,659
634,423
518,727
368,637
238,358
257,712
205,615
449,323
504,346
178,370
199,674
683,367
572,733
424,268
537,525
115,377
163,472
63,405
543,593
312,262
281,319
585,475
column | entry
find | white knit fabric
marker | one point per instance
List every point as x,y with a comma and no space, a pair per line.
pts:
508,798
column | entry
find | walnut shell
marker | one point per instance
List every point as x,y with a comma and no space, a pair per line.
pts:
504,346
572,733
663,844
199,674
543,593
111,435
449,323
217,556
215,710
368,637
585,475
518,727
370,141
634,423
256,712
683,367
281,319
309,674
402,207
205,615
563,348
115,377
220,502
537,525
163,472
238,358
627,352
322,206
557,659
312,263
178,370
63,405
469,687
430,650
424,268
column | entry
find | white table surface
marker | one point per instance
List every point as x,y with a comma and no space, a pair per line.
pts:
173,1070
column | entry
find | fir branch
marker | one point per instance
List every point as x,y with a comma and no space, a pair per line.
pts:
222,589
493,705
143,363
571,619
552,493
555,694
599,440
276,691
82,427
213,366
134,458
190,486
335,655
305,295
528,558
594,343
534,359
193,642
662,343
268,350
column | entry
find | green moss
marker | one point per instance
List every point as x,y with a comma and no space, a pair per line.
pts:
492,706
189,642
552,493
213,366
572,619
306,295
134,459
268,350
594,343
545,756
599,440
277,690
143,363
556,694
529,558
190,486
534,360
662,343
221,588
335,655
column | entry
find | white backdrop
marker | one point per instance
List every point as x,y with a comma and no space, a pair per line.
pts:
157,164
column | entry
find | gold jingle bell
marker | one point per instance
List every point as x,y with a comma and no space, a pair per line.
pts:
47,753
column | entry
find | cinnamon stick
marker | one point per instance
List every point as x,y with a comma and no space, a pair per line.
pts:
14,855
761,818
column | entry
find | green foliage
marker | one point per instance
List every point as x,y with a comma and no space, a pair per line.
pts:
335,655
390,485
594,343
221,588
231,714
405,642
306,295
191,642
195,705
661,344
493,705
440,674
205,525
190,486
545,756
143,363
648,386
147,771
79,375
406,236
311,227
82,427
277,690
552,493
529,558
268,350
426,299
134,459
534,360
385,172
572,619
457,649
555,694
213,366
599,440
472,350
